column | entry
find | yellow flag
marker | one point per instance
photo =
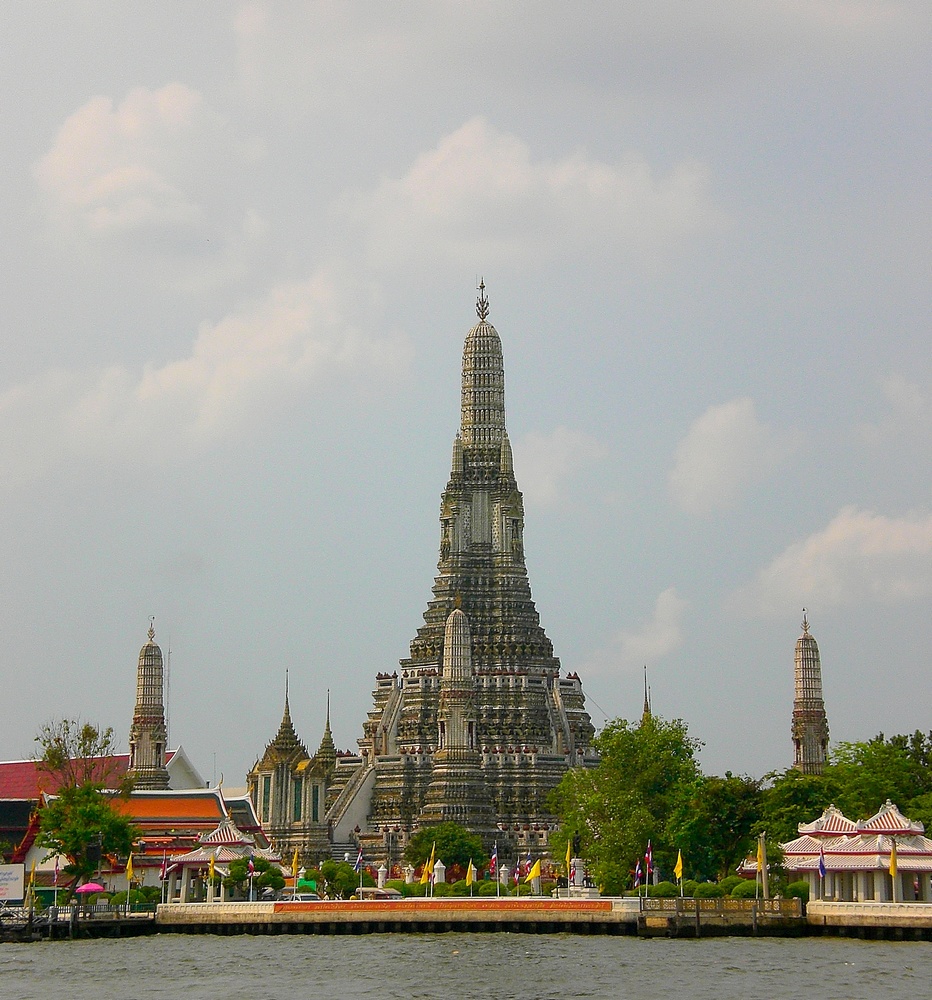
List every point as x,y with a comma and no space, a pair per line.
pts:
534,872
761,858
893,857
294,864
569,855
678,867
32,873
470,873
429,867
213,863
129,871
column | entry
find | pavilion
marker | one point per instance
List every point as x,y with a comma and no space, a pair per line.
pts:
885,858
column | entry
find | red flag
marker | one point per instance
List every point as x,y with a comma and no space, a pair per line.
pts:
648,861
493,862
163,872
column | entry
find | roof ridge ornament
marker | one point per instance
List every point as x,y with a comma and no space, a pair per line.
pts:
482,303
805,622
151,628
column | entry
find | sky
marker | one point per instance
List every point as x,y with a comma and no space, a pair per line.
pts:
241,244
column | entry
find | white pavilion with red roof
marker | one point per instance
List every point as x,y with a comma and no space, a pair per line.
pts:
188,874
885,858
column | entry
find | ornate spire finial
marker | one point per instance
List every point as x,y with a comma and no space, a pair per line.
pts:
151,628
482,303
805,623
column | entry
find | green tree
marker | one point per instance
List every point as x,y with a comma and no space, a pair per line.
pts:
614,809
341,879
455,847
793,798
265,875
712,823
80,822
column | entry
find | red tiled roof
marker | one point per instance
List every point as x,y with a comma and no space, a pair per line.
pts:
22,779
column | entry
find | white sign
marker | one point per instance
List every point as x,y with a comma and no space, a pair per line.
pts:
12,882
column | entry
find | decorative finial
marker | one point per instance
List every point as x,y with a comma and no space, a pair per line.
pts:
286,685
805,623
151,628
482,303
328,710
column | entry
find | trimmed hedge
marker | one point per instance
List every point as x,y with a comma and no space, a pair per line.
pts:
798,890
746,889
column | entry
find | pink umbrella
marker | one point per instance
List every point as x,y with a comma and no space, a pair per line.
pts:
90,887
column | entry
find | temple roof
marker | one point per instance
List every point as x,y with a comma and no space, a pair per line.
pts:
888,819
831,822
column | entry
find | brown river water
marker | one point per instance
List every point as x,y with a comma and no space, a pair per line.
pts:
500,966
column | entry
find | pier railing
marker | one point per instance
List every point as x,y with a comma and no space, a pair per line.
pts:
687,906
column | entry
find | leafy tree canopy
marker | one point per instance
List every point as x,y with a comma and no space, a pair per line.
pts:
74,753
712,823
631,797
80,822
266,875
455,846
341,879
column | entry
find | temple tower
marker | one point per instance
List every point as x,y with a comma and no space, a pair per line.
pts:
457,789
480,725
148,734
810,723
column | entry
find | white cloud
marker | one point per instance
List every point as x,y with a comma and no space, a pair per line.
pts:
480,196
115,169
545,462
726,451
151,175
238,370
909,412
859,556
648,644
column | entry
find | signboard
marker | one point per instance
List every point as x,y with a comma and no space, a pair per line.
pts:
12,883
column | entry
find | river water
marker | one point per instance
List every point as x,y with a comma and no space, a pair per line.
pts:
463,966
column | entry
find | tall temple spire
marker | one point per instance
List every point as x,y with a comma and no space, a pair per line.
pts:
645,715
148,734
327,750
810,723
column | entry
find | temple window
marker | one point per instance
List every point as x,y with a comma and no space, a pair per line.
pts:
297,799
266,797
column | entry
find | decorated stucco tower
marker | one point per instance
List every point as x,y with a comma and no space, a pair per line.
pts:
148,735
289,786
810,723
480,725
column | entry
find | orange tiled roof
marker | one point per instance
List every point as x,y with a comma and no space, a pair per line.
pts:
204,807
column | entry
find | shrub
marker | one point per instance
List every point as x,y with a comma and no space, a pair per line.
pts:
414,889
746,889
708,890
396,883
663,890
729,882
689,887
486,888
443,889
798,890
460,888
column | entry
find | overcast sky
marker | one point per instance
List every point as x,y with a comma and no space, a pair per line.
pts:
240,250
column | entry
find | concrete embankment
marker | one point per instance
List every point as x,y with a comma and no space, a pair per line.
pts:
871,920
521,915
